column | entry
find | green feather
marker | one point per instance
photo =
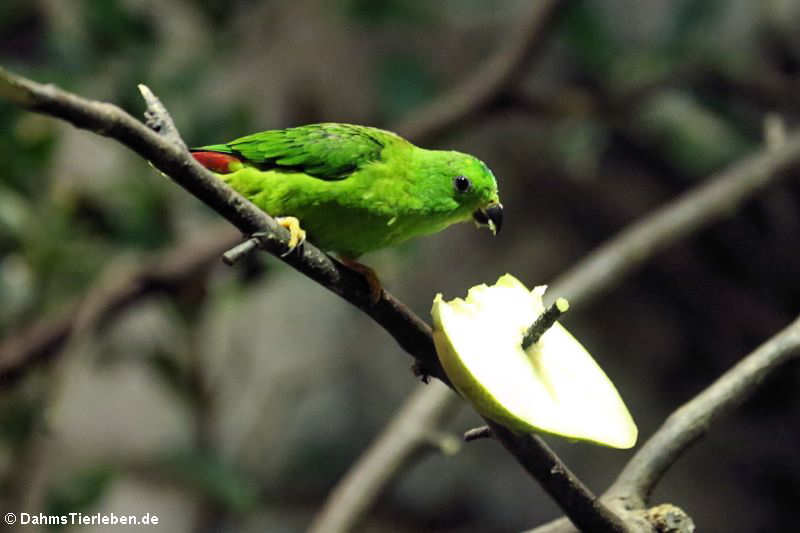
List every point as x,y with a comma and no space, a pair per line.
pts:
328,151
355,188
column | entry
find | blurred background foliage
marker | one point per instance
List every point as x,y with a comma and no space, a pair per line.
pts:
237,397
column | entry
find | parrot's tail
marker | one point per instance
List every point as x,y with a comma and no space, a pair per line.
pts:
218,162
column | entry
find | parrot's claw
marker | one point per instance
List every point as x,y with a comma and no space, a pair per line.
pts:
297,235
375,287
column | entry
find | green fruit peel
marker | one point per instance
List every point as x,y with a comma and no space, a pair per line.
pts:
553,387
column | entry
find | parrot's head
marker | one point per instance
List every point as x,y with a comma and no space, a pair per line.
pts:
469,186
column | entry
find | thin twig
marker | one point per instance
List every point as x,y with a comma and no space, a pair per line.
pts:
158,119
232,256
482,432
544,322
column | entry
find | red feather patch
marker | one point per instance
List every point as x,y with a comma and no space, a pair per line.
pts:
217,162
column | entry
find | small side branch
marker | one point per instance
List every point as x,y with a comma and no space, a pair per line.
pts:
482,432
544,322
235,254
158,119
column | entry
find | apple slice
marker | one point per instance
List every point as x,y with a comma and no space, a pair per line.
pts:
553,387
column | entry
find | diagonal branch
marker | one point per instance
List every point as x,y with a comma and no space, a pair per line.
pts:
588,512
172,158
689,422
44,337
500,71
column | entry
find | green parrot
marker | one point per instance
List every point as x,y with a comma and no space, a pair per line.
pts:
354,189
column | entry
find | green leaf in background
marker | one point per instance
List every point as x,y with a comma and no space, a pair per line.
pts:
219,481
112,26
18,417
79,492
691,137
590,39
403,84
386,11
26,145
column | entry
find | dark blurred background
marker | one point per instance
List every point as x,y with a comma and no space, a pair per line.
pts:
234,398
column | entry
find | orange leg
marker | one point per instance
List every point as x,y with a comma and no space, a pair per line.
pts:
375,287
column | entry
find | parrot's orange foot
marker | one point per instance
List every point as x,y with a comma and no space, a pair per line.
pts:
297,235
375,287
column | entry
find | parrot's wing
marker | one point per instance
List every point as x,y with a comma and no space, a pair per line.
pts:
327,151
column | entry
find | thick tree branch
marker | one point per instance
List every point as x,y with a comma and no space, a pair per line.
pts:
412,333
689,422
105,119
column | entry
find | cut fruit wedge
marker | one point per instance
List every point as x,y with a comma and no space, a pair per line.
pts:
553,387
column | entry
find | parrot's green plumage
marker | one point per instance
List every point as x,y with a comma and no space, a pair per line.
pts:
355,189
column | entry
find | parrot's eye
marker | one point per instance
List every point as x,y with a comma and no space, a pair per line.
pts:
462,183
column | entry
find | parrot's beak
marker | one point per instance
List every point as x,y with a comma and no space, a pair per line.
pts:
491,215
